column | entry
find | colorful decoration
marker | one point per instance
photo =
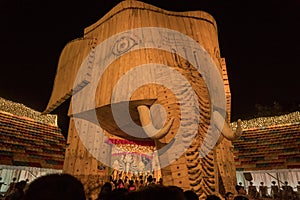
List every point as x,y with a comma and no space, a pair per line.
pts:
132,162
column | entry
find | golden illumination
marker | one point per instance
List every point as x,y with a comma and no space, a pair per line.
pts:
261,122
21,110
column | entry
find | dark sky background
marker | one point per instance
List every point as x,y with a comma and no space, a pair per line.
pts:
260,40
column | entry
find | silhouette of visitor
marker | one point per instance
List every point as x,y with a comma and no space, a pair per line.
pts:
105,190
190,195
213,197
55,186
156,192
252,191
11,187
18,191
229,196
274,190
263,190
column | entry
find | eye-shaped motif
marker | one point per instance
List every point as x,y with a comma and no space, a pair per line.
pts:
122,45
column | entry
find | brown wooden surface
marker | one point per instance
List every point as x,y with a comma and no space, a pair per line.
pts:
189,171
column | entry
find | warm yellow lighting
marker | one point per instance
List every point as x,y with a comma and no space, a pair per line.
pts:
21,110
261,122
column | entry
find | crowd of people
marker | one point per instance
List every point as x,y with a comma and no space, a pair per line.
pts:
286,192
132,182
67,187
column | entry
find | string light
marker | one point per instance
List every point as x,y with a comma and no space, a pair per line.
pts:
262,122
21,110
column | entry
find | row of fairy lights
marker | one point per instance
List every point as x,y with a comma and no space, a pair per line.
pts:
263,122
22,110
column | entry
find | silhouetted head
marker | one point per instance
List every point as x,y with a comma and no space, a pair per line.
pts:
262,183
55,186
240,198
160,181
190,195
149,179
105,189
117,194
20,185
131,182
157,192
229,196
213,197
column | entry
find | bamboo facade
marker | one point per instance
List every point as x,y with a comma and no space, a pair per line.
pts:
110,42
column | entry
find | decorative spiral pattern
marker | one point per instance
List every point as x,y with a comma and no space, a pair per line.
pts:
190,106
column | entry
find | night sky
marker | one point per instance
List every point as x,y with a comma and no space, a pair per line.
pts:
259,39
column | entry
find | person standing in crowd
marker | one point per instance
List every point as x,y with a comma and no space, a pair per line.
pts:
55,186
190,195
126,182
18,191
241,191
105,190
27,184
141,184
131,186
252,191
120,184
213,197
298,190
274,190
240,198
229,196
154,180
11,187
136,183
156,192
150,180
287,191
263,190
117,194
160,181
